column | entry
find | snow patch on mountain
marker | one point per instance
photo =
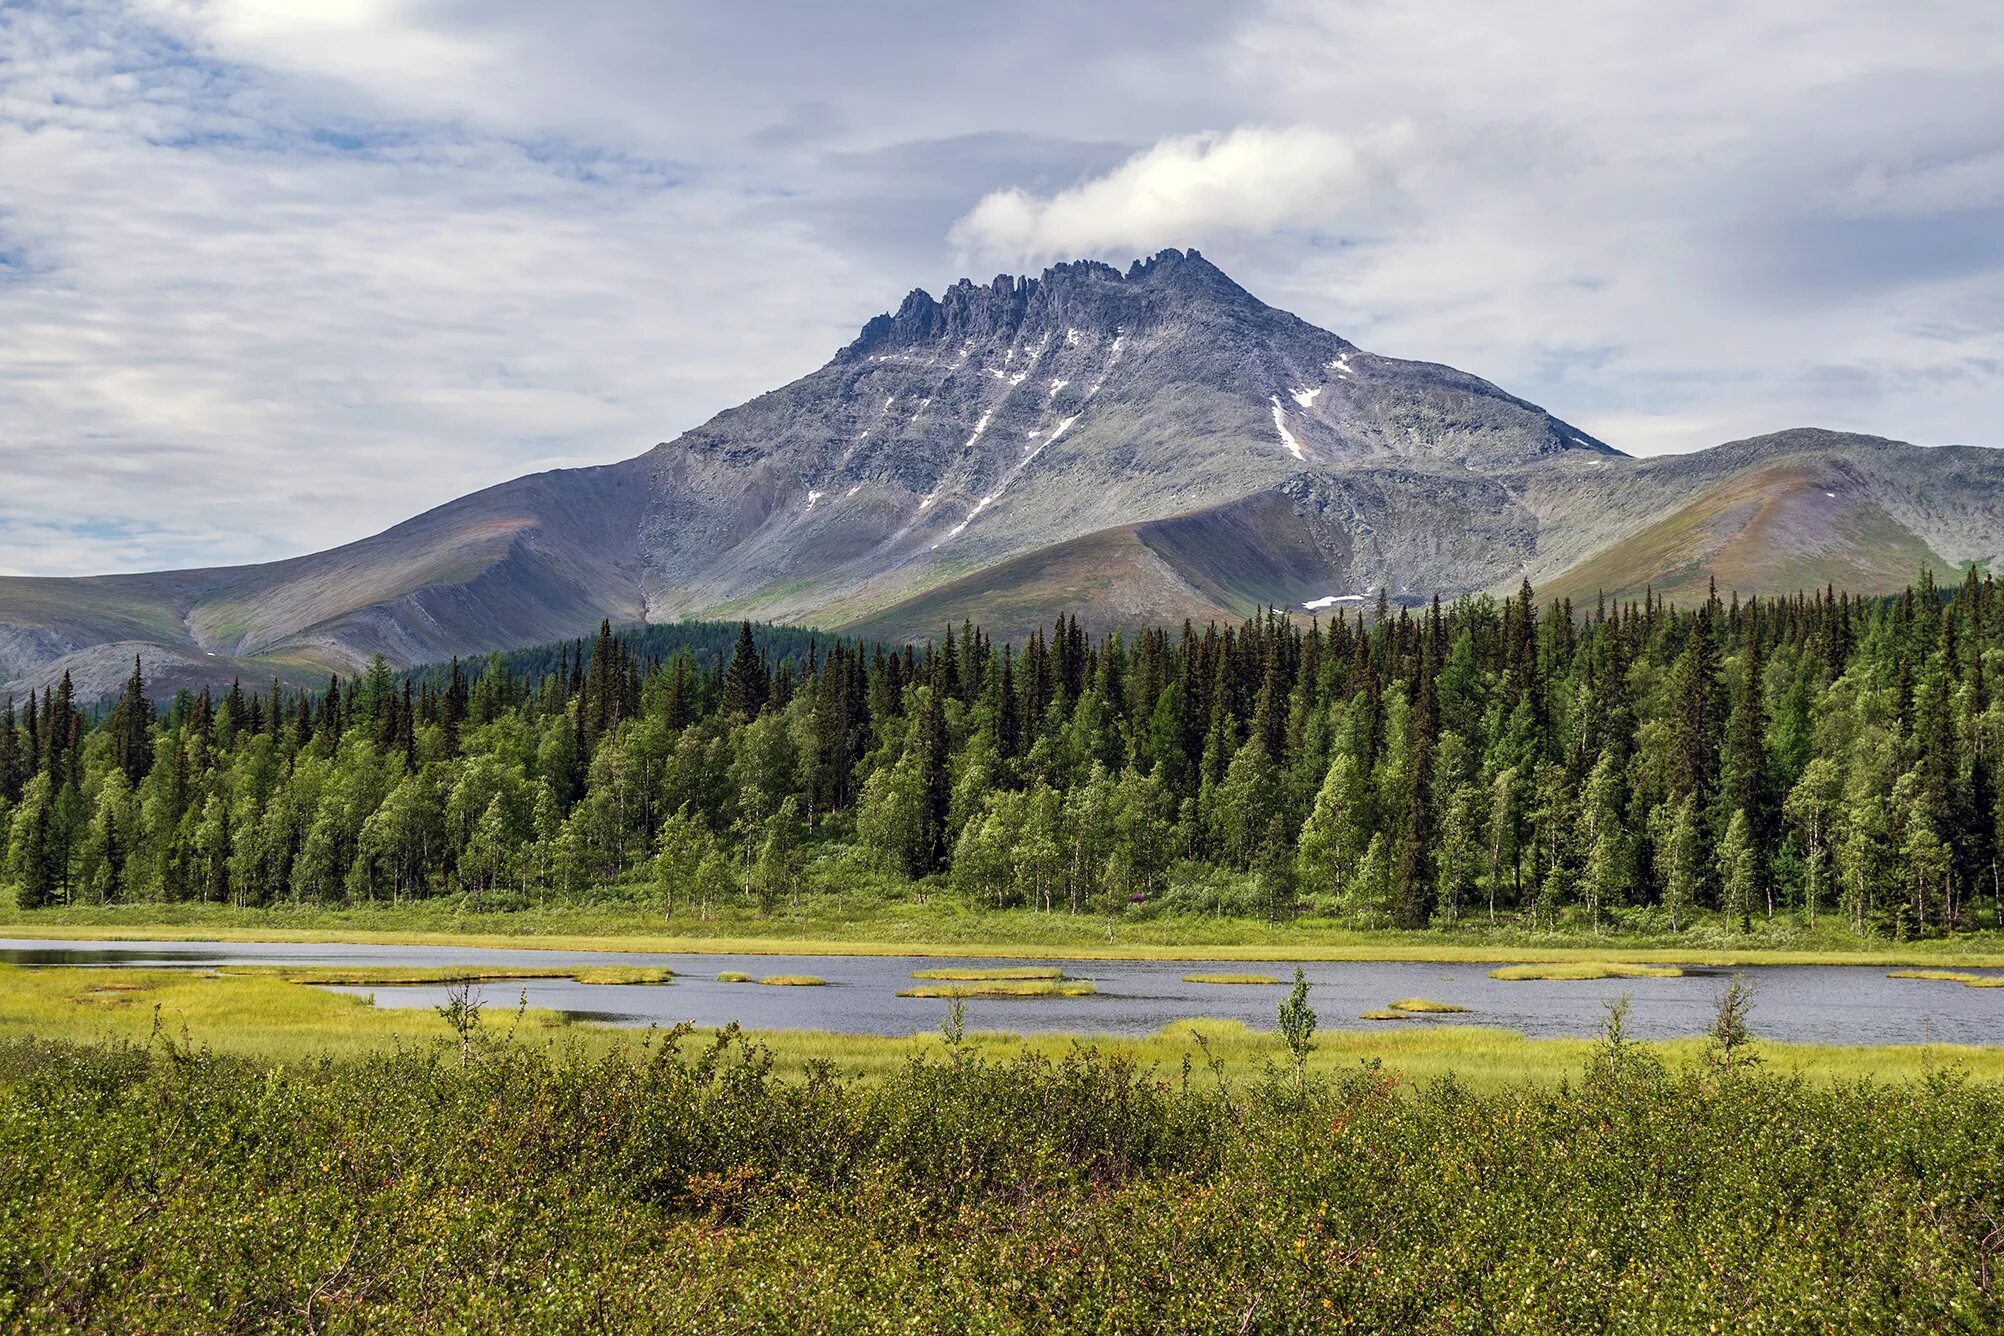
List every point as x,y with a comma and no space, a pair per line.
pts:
1287,439
1032,451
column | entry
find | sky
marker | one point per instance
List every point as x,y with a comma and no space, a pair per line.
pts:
275,274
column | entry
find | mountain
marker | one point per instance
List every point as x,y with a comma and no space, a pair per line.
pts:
1139,446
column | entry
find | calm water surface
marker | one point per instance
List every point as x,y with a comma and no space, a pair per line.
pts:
1812,1004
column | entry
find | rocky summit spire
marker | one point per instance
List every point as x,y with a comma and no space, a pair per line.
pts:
1084,292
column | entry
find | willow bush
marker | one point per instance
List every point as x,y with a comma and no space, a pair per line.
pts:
683,1186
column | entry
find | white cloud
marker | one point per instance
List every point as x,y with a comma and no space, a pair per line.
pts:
1193,189
229,340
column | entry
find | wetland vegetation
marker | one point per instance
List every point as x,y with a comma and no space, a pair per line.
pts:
684,1181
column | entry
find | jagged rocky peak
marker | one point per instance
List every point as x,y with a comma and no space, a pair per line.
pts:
1081,293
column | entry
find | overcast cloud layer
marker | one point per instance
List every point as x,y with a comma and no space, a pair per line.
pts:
277,273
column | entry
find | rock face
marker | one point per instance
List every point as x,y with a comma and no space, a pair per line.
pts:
1135,446
1000,419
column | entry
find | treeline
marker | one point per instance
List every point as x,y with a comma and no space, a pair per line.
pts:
709,645
1814,755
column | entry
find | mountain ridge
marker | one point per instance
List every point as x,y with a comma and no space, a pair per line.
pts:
1167,442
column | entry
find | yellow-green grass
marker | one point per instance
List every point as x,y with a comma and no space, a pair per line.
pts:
263,1015
372,976
985,975
623,974
268,1018
1952,976
1004,988
1230,978
734,976
1385,1014
1425,1004
1586,969
937,929
792,981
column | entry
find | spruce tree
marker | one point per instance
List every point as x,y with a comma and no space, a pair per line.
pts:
132,728
12,772
745,683
931,746
1695,723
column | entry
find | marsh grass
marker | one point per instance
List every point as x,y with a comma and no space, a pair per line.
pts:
371,976
1231,978
1385,1014
984,975
268,1018
1952,976
1423,1004
895,924
1586,969
1004,988
734,976
615,974
259,1015
792,981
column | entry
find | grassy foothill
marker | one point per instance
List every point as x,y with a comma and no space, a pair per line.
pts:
1004,988
1586,969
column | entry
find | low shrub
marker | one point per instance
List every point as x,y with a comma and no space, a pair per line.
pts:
680,1186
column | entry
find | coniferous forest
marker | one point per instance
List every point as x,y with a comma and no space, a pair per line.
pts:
1823,758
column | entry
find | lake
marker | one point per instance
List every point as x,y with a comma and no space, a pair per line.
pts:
1795,1003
